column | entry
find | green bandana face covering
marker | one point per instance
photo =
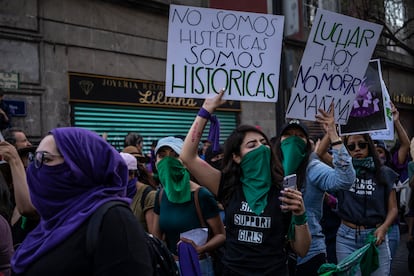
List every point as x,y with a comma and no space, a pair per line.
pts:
256,178
175,179
294,151
361,164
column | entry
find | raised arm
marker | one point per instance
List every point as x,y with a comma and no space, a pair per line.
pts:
327,120
21,189
205,174
402,136
321,149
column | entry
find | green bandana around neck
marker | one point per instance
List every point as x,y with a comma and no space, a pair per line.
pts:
175,179
361,164
256,178
294,151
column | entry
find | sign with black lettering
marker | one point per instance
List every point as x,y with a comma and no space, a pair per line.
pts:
9,80
210,49
333,65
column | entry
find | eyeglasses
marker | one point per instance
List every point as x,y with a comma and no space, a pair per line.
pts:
40,157
361,145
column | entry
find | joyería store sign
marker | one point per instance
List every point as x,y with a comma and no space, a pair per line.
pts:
90,88
210,49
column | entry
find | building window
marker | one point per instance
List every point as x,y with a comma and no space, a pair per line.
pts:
395,16
310,7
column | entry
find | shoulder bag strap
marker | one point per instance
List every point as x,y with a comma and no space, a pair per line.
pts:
198,209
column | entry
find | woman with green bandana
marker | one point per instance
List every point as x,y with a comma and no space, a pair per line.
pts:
314,178
250,189
369,207
175,209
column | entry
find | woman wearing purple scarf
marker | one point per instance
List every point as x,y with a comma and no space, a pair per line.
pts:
73,173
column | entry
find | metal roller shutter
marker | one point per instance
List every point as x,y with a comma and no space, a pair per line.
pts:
151,123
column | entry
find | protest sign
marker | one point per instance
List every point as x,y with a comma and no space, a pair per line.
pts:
369,112
336,56
210,49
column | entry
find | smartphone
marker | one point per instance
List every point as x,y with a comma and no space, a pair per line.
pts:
289,181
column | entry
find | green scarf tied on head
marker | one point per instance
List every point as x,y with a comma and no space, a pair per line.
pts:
256,178
175,179
294,151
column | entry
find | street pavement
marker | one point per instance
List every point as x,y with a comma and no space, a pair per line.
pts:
400,263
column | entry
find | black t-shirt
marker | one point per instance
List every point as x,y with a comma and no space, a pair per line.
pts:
366,202
255,245
121,250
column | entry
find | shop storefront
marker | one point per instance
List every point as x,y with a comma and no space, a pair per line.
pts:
118,106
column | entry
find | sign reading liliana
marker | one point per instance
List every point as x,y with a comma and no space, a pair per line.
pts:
210,49
333,65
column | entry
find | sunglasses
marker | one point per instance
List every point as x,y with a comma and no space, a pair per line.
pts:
39,157
361,145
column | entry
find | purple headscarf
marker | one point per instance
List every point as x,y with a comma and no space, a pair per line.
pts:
92,174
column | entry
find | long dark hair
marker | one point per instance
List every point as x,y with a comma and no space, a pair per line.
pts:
371,152
301,171
232,171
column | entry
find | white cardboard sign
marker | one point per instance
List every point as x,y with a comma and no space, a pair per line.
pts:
211,49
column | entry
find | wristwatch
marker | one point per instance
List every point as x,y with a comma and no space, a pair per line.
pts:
337,142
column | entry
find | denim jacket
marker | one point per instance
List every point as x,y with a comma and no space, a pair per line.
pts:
321,178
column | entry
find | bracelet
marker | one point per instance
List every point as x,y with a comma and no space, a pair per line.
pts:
300,220
296,220
203,113
337,142
214,132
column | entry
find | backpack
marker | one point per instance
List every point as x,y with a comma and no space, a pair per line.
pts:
162,260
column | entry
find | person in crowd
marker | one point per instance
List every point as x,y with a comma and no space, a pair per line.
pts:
74,172
6,240
175,206
16,153
250,189
132,165
5,116
214,157
204,146
314,179
394,231
142,204
22,223
410,214
369,206
330,220
17,137
151,157
398,161
134,144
